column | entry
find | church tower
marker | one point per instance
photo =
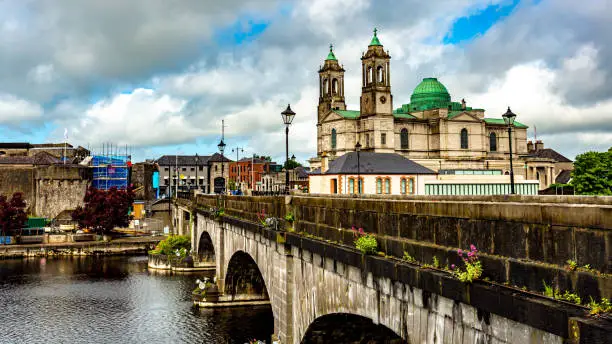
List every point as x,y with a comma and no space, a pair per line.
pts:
376,95
331,86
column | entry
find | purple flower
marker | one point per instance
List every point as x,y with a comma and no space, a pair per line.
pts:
453,266
470,254
361,230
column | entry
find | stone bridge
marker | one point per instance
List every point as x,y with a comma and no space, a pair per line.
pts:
321,288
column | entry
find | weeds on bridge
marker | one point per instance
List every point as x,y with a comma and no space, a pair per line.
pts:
473,266
364,242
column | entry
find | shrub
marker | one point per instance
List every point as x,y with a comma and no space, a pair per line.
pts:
171,244
473,267
409,258
289,217
555,293
604,306
367,244
571,265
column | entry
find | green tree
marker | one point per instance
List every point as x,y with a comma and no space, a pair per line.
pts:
592,174
291,164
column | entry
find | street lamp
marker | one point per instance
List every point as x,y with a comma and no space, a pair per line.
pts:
509,120
358,149
221,147
288,116
197,159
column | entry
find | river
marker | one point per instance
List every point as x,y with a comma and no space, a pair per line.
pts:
113,300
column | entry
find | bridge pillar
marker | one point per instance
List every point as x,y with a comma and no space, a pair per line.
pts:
219,244
283,291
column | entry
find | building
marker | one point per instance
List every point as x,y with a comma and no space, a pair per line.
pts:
248,172
218,173
431,129
380,173
547,165
189,172
58,150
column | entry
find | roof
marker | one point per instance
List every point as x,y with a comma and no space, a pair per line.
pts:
549,153
44,158
16,160
217,158
348,114
182,160
564,177
376,163
500,121
375,41
255,160
430,93
331,56
15,145
403,115
301,172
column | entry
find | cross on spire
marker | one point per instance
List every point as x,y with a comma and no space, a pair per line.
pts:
375,31
331,47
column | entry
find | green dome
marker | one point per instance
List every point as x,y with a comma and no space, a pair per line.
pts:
429,94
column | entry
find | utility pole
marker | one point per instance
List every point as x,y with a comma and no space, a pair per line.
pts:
238,150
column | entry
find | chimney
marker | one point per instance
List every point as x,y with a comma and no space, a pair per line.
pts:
463,104
539,145
324,163
530,146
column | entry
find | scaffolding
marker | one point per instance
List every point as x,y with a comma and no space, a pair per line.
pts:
110,171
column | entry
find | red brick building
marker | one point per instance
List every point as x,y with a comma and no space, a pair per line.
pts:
247,171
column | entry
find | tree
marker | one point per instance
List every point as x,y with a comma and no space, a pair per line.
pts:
291,164
592,174
12,214
105,210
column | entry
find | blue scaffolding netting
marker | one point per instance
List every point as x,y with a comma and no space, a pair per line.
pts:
110,171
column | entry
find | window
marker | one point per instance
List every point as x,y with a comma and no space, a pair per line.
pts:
493,142
411,186
404,138
333,139
378,185
383,139
351,186
184,168
403,186
166,169
201,168
388,186
379,74
192,169
367,140
335,86
360,186
216,168
464,138
369,75
325,86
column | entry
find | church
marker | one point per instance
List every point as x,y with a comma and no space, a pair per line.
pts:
446,136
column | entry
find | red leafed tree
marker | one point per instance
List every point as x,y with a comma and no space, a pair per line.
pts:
105,210
12,214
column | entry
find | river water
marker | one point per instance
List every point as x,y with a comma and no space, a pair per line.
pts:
113,300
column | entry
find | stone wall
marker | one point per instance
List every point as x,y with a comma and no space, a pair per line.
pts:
60,188
308,278
18,179
142,179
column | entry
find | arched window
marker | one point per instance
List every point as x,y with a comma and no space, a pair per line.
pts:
464,138
403,186
369,76
493,142
379,74
333,139
404,138
388,186
335,86
378,185
411,186
325,86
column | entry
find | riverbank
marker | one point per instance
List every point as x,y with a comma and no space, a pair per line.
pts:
121,246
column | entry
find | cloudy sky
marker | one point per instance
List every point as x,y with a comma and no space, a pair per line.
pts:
160,75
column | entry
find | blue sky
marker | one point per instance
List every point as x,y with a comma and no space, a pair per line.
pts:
161,80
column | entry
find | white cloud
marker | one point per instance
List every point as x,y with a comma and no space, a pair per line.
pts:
142,117
42,74
15,110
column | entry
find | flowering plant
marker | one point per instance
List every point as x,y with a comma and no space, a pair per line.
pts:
261,216
473,266
366,243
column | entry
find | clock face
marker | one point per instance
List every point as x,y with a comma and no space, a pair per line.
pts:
383,99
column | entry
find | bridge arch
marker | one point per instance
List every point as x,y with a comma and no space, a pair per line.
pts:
243,279
206,248
348,328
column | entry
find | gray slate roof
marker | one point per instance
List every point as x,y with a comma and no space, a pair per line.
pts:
549,153
564,177
183,160
376,163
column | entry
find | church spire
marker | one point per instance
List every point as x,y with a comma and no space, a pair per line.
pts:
375,41
331,56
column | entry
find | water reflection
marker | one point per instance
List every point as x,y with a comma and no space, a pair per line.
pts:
113,300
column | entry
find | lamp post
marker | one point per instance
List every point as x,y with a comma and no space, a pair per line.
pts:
238,150
197,159
509,120
288,116
221,147
358,150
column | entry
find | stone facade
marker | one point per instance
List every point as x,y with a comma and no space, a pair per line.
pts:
431,130
60,188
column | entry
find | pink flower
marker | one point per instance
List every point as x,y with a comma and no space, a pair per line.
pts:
353,228
460,252
453,266
361,231
472,247
470,254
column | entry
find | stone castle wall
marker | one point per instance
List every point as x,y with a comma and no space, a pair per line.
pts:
18,179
